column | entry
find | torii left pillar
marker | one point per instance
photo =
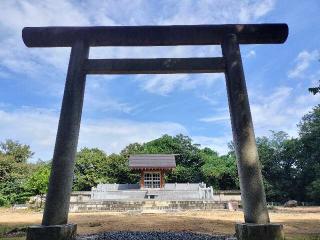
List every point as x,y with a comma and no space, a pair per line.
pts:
55,218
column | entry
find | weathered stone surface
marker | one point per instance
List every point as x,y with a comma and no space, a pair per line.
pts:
153,35
61,177
249,169
155,66
171,191
53,232
250,231
140,206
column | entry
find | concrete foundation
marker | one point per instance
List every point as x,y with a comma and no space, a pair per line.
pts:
52,232
251,231
170,191
168,195
143,206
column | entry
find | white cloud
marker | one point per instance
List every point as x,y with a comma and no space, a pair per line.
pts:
315,78
216,11
221,115
210,100
251,54
268,112
37,127
112,135
161,84
18,14
45,64
281,110
107,105
97,101
253,10
47,67
34,127
165,84
303,61
215,118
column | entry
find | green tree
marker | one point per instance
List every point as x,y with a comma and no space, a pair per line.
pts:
12,176
133,148
7,167
220,172
188,156
278,156
314,191
19,152
90,169
270,161
37,183
309,151
182,174
117,170
93,166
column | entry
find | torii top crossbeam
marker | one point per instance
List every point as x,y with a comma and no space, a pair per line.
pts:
154,35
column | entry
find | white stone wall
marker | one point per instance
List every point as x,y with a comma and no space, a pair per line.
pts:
171,191
145,205
116,186
183,186
80,196
118,194
217,196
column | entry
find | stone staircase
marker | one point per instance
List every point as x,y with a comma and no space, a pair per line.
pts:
151,206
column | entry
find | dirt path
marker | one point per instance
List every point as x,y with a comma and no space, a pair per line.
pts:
297,222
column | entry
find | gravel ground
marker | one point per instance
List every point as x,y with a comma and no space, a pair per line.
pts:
153,236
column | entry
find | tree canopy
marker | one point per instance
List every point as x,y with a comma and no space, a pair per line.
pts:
290,166
20,153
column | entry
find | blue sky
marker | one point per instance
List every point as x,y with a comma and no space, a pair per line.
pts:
119,110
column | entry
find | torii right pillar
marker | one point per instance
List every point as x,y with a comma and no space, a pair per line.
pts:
257,224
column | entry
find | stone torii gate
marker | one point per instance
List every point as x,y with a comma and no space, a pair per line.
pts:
80,39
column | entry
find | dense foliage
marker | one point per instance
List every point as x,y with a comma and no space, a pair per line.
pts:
290,166
93,166
14,170
37,183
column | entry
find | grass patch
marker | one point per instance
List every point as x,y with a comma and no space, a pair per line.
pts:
12,232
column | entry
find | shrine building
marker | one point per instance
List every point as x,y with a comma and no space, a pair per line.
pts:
152,168
152,185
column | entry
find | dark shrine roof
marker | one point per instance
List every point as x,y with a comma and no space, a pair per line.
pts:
152,161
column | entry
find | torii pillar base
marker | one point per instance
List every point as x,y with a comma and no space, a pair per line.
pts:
253,231
52,232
